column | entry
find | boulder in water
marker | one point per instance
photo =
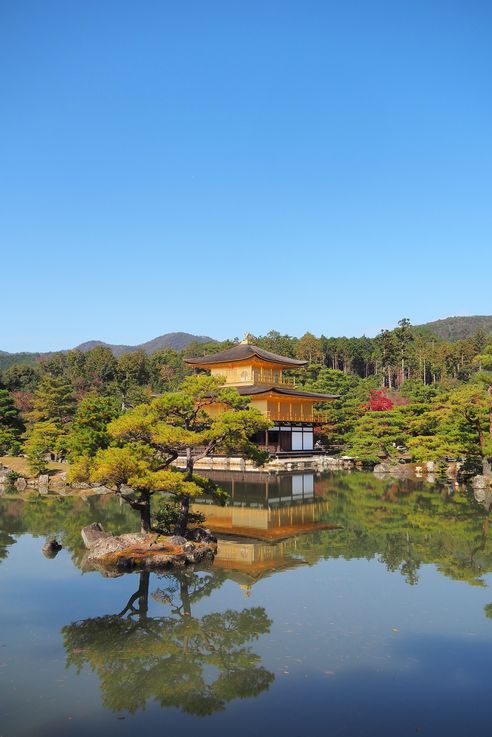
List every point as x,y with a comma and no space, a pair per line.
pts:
51,548
92,534
202,535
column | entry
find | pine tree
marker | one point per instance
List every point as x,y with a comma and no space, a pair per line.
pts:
89,430
53,410
10,424
485,378
53,400
404,339
151,436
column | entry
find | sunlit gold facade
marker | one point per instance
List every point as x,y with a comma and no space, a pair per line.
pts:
260,375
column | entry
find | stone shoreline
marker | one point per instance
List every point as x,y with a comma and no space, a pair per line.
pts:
58,484
302,463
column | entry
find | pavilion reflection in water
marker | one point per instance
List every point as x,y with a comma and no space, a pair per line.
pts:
258,524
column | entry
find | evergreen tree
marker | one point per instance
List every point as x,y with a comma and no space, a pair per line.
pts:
152,436
484,361
53,400
53,410
404,338
101,370
284,345
89,430
167,370
462,421
22,378
133,369
387,348
45,440
379,435
309,349
10,425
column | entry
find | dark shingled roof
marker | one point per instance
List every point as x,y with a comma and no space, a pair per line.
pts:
275,389
240,353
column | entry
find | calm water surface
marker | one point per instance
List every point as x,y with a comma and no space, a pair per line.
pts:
379,627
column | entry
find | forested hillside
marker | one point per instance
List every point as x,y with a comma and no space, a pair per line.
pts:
24,359
458,328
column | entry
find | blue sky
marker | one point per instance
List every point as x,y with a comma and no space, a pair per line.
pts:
223,167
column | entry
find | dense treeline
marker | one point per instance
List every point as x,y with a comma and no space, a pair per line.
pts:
59,408
393,356
402,393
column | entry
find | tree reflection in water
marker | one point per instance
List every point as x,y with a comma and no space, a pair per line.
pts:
403,524
197,664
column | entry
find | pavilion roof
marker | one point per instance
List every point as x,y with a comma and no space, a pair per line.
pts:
241,352
277,389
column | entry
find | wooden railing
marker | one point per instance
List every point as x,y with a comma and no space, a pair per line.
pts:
286,415
261,376
243,377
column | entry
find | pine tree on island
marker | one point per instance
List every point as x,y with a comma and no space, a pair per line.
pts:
150,437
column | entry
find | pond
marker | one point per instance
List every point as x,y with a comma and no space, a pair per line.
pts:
338,604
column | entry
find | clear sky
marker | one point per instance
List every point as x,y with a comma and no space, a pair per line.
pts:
223,166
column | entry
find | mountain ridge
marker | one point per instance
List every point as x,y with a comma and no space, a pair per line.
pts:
176,341
448,328
458,327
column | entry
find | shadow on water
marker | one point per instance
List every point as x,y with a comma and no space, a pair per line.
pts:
196,664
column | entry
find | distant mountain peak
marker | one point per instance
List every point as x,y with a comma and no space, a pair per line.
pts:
89,345
175,341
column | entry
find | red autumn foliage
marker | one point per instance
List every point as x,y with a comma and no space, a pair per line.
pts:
378,402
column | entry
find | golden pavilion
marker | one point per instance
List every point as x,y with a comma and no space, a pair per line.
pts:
259,374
